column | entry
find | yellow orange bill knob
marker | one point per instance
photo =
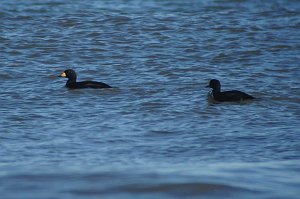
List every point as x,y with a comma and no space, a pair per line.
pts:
63,75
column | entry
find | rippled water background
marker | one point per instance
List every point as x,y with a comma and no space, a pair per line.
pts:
155,135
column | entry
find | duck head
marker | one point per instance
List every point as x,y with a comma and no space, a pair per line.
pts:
215,85
70,74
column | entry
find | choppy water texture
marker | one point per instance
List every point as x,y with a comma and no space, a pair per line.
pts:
155,135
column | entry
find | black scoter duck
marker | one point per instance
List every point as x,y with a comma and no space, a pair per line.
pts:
71,83
226,96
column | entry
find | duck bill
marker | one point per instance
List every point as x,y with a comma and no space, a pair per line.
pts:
62,75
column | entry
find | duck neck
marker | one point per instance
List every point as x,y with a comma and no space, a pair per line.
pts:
216,89
71,80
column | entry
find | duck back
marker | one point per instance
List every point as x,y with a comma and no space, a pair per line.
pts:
231,96
87,84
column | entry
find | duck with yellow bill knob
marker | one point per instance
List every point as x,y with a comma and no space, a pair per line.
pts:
73,84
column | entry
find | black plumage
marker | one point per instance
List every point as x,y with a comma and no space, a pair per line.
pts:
226,96
73,84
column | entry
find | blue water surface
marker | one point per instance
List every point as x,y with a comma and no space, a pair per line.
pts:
155,134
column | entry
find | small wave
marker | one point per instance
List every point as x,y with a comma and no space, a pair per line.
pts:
280,47
288,99
5,77
195,188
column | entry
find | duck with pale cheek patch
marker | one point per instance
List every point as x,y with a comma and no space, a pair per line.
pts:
226,96
73,84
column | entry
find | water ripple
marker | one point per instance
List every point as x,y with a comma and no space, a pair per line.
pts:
159,55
